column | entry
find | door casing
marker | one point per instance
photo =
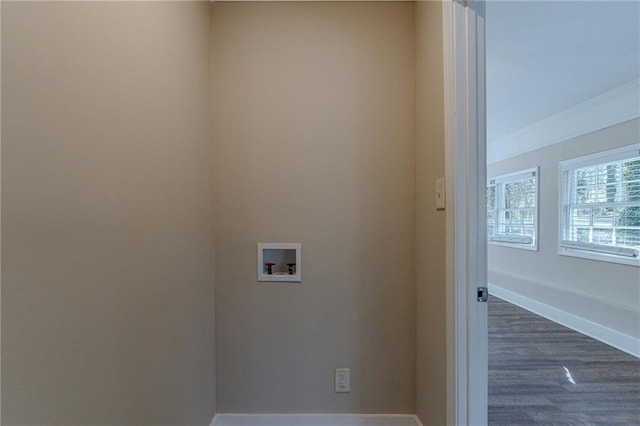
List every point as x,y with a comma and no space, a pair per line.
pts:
465,164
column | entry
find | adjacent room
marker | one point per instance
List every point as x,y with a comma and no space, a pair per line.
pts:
563,212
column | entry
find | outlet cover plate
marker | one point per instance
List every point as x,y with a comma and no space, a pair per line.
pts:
343,380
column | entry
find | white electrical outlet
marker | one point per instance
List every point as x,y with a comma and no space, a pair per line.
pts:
343,380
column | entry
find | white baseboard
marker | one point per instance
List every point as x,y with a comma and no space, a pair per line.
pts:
315,420
599,332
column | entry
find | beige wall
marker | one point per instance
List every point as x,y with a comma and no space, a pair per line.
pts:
604,293
430,252
107,279
313,118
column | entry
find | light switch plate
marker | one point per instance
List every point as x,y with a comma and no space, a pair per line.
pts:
440,194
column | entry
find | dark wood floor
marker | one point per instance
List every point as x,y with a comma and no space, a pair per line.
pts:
533,362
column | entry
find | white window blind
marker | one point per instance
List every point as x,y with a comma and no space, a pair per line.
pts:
512,209
601,204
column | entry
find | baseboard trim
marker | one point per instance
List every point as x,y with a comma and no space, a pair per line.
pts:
599,332
315,420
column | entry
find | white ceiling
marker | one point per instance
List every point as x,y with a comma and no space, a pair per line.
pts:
544,57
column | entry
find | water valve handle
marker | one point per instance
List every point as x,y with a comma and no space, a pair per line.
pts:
291,267
270,266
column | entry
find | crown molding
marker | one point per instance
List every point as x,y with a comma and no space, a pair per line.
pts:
613,107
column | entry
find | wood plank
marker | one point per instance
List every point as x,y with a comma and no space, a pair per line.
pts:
532,362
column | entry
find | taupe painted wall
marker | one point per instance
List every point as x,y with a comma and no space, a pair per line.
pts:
430,251
107,279
313,130
605,293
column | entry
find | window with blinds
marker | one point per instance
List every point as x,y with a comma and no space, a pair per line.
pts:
601,206
512,209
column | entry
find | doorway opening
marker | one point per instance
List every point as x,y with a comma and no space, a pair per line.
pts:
563,212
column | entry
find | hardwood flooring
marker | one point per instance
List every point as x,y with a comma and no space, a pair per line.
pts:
542,373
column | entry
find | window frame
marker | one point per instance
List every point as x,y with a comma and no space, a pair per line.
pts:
513,177
592,251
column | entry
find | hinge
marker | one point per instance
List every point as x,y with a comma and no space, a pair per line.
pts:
483,294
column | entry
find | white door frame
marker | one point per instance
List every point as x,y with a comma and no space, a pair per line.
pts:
465,162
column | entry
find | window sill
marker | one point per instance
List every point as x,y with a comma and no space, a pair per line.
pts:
513,245
601,257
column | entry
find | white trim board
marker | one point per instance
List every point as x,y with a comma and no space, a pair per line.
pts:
466,264
613,107
227,1
597,331
315,420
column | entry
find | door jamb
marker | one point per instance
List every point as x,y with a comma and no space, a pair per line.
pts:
465,171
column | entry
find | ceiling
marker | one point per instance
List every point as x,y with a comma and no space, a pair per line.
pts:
544,57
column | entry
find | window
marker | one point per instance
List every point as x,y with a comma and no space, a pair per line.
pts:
600,215
512,209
